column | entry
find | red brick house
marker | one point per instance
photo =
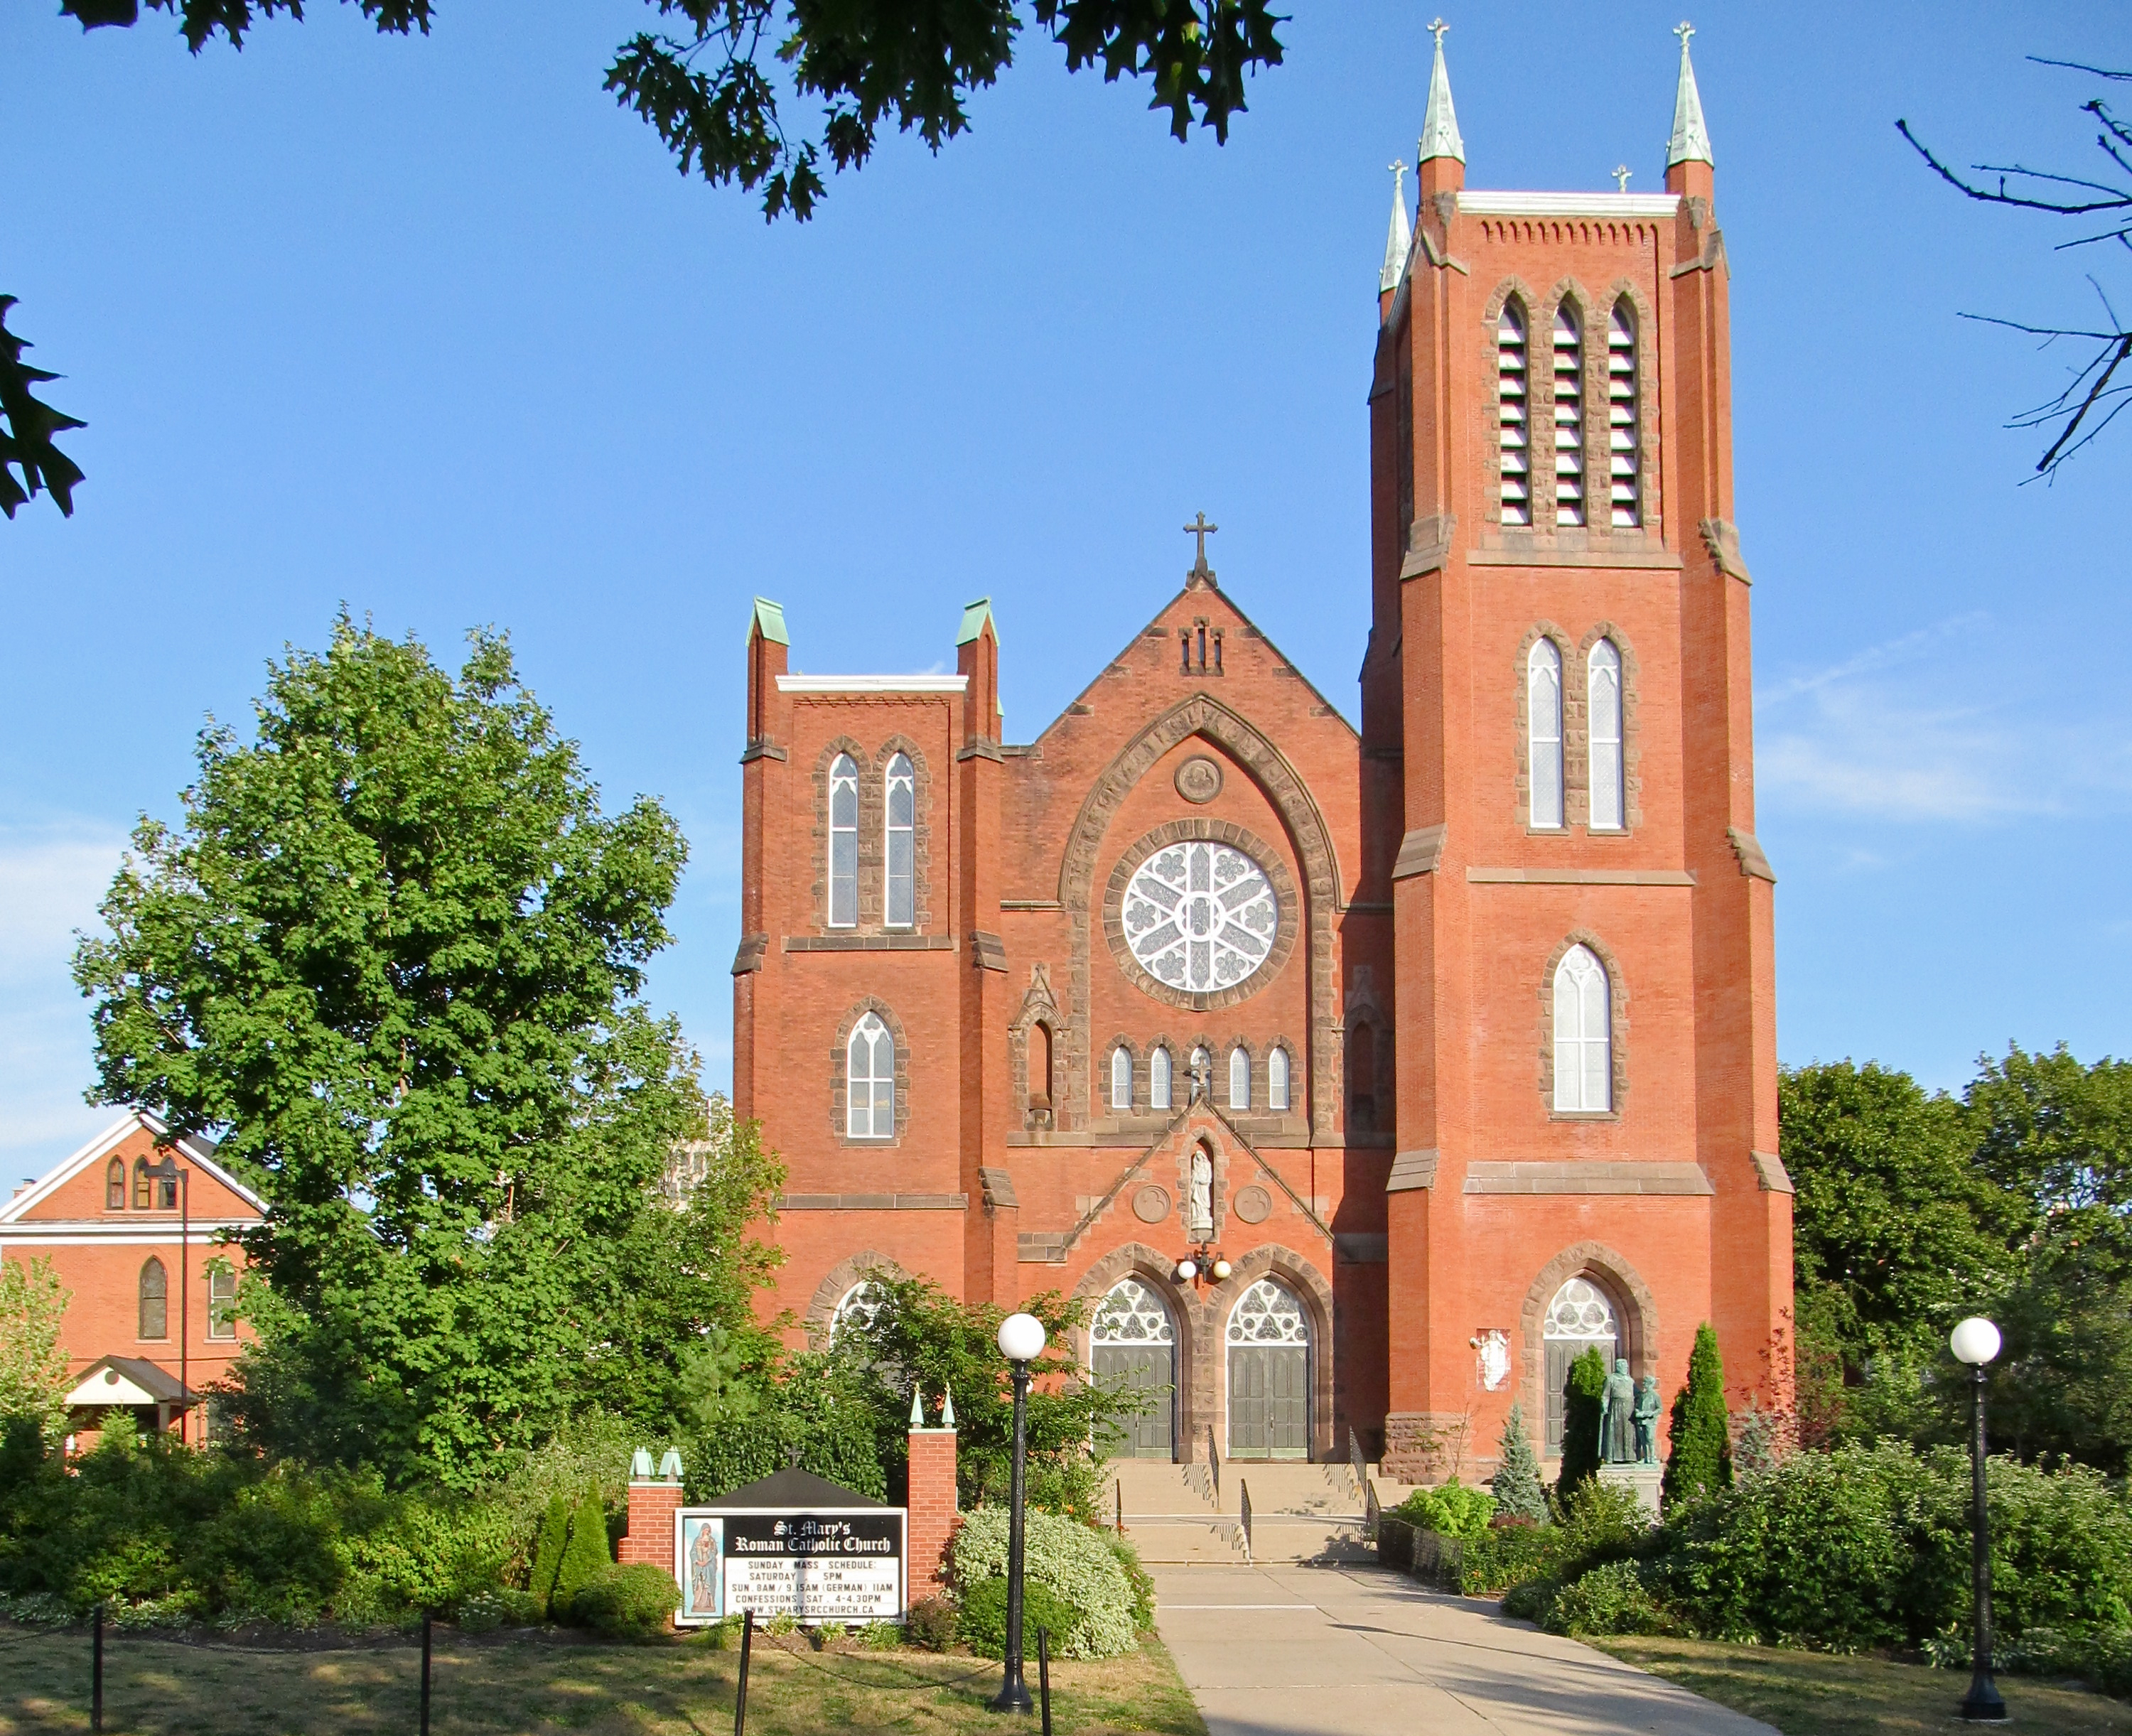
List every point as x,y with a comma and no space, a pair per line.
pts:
1356,1082
135,1225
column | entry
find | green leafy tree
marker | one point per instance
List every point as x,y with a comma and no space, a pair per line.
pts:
1699,1460
1584,1395
393,957
586,1555
548,1552
27,424
33,1363
1516,1483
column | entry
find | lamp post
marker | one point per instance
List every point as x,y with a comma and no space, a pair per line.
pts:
1975,1342
1022,1342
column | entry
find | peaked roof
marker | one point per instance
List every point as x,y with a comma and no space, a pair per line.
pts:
1439,123
1400,237
127,1380
1690,142
768,619
200,1152
796,1489
975,615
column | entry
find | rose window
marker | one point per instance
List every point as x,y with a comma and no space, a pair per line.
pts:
1200,916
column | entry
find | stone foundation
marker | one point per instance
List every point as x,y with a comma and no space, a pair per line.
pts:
1422,1446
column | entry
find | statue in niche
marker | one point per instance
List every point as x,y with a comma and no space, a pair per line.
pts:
1618,1417
1199,1217
1647,1422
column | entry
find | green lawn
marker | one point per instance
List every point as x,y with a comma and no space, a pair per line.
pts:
537,1683
1814,1694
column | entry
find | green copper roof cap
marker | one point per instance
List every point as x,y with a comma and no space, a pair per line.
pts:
974,616
1439,124
1400,237
770,621
1690,142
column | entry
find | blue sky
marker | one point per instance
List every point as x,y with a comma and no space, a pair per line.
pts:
430,328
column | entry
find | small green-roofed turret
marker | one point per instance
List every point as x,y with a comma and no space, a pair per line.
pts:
975,615
769,621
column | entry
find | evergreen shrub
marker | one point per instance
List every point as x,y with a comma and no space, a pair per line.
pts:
548,1552
1599,1522
931,1623
1451,1510
1584,1395
635,1600
585,1557
1516,1486
984,1617
1066,1557
1700,1462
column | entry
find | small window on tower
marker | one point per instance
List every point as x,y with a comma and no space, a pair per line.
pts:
869,1082
114,1186
1569,416
1624,441
1605,725
1544,732
1121,1079
844,842
1240,1077
1277,1079
1511,401
1158,1079
902,901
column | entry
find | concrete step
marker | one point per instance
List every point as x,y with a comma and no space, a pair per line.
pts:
1183,1539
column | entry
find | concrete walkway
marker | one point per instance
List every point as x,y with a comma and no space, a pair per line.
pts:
1295,1650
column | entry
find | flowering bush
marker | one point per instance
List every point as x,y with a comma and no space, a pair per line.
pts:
1064,1557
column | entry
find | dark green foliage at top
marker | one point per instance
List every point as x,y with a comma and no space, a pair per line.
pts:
586,1555
1699,1457
392,957
29,462
1585,1392
710,76
819,1414
548,1552
1517,1484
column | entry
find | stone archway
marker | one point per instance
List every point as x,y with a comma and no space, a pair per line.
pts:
821,1312
1156,1270
1297,1274
1636,1311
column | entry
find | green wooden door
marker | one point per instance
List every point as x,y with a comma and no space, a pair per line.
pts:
1148,1370
1269,1402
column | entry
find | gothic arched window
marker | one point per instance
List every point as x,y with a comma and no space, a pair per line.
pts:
114,1186
844,842
1512,413
858,1308
870,1081
1158,1078
1240,1077
222,1300
1624,443
1569,416
155,1300
1039,1066
1603,685
1121,1078
1543,733
1277,1079
142,1195
900,903
1583,1032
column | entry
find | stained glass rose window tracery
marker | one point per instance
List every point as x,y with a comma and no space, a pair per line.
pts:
1200,916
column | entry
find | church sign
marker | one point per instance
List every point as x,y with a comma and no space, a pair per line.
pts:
795,1545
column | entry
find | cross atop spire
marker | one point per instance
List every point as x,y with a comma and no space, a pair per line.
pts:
1439,124
1690,142
1400,237
1201,529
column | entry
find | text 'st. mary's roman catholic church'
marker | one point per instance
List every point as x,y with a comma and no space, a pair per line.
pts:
1355,1083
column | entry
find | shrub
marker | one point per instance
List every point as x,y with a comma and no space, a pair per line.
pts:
484,1612
1599,1522
632,1601
931,1623
1617,1598
881,1637
984,1617
1584,1395
1700,1460
1453,1510
585,1556
548,1552
1139,1582
1517,1484
1532,1601
1066,1557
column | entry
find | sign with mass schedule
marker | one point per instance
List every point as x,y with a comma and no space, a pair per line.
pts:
821,1565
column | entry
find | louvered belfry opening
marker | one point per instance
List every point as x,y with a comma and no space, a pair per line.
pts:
1621,416
1568,416
1510,395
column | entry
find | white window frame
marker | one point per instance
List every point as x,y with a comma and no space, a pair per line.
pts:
863,1108
899,903
1543,768
1603,687
1240,1077
1160,1068
1583,1034
843,844
1121,1079
1277,1079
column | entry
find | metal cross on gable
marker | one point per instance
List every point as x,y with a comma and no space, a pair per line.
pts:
1201,529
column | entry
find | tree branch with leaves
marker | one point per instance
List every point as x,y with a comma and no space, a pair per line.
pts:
2101,386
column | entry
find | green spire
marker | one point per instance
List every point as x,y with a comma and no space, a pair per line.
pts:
769,621
1691,139
1439,124
974,616
1400,238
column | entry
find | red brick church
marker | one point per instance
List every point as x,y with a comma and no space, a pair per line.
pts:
1356,1083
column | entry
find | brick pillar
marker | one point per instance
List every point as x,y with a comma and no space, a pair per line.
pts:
933,1516
650,1537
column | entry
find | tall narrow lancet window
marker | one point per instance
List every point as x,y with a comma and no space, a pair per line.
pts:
1511,402
155,1300
901,904
1623,445
142,1197
114,1186
869,1082
844,842
1121,1078
1568,416
1605,695
1158,1079
1039,1066
1277,1079
1240,1077
1543,731
1583,1034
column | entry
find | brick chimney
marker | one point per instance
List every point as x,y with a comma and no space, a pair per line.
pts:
933,1516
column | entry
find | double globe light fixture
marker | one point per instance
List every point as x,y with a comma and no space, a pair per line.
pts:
1199,1260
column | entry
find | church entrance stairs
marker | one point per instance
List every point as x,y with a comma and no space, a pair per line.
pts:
1184,1513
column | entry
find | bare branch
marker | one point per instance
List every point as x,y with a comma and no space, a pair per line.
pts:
2082,66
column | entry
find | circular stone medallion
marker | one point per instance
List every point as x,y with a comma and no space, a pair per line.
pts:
1151,1204
1254,1204
1199,780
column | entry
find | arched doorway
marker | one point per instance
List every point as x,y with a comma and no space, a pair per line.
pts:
1268,1346
1580,1318
1132,1348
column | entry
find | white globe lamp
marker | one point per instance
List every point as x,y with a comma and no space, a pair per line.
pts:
1220,1271
1021,1338
1975,1341
1187,1270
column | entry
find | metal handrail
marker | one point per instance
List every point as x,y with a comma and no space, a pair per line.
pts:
1214,1464
1354,1463
1244,1505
